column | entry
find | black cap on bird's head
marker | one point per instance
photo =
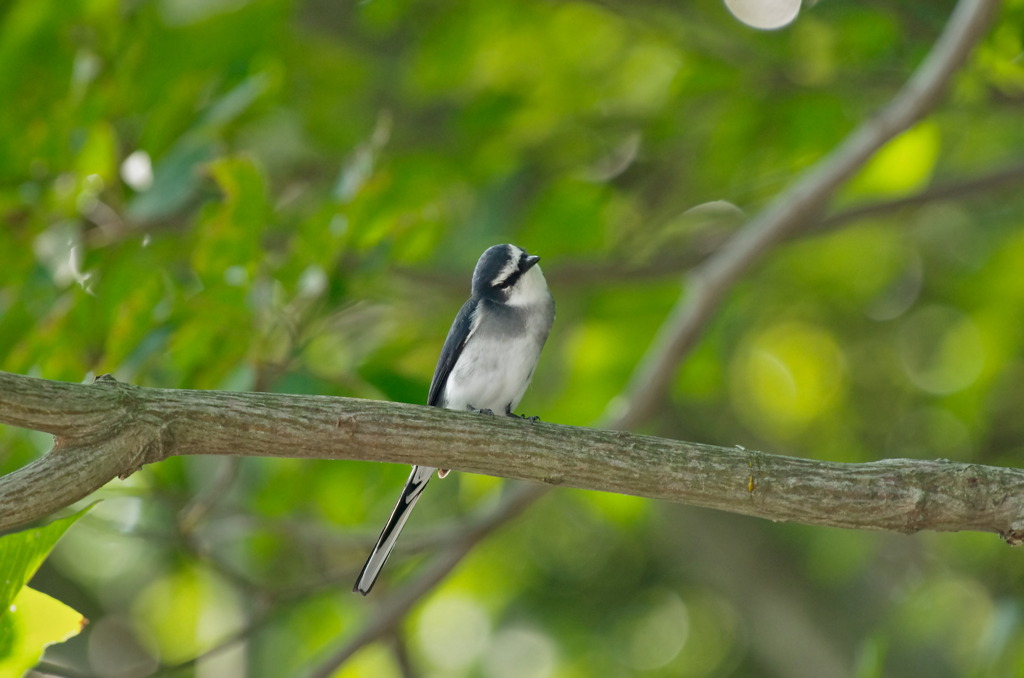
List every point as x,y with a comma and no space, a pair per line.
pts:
500,267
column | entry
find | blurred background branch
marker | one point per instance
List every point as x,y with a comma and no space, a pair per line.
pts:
797,207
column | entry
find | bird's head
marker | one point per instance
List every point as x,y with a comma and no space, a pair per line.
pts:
509,274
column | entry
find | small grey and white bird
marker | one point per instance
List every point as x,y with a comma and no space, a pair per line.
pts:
485,365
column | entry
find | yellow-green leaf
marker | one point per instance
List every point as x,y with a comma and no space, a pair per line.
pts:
31,623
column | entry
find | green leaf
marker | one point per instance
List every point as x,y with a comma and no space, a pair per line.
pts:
230,245
29,625
30,620
21,554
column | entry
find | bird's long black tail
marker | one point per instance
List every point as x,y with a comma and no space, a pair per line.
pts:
379,555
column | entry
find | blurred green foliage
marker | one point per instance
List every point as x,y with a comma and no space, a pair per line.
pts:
290,196
30,620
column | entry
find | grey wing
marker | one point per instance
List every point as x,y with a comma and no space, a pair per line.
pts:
462,328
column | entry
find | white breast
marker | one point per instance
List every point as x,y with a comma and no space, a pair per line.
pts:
497,363
492,374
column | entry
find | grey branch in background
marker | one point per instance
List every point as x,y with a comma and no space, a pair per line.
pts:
796,208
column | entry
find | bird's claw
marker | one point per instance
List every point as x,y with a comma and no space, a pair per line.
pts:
510,413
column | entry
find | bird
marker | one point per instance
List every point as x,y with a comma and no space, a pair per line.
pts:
485,365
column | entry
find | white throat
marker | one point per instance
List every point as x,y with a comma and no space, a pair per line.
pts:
530,290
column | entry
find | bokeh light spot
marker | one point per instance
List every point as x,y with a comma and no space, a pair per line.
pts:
452,632
941,350
656,631
903,165
521,653
137,170
186,612
786,376
764,14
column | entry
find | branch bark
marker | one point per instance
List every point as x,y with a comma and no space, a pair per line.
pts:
109,429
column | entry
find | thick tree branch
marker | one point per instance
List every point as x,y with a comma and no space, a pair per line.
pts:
111,429
798,207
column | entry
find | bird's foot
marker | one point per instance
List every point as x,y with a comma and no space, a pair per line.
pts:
488,412
510,413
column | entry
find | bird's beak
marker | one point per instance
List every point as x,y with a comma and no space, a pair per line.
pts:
531,261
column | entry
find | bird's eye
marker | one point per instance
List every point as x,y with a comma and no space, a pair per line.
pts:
509,281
